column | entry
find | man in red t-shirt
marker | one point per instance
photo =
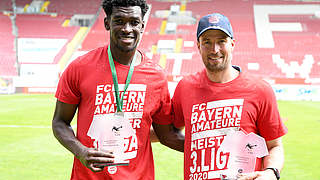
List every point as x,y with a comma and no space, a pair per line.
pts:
118,94
221,99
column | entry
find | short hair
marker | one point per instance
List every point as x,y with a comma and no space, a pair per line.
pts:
107,5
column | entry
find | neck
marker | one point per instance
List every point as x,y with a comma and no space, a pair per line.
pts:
224,76
123,57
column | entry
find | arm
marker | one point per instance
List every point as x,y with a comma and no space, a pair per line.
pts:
169,136
275,159
153,136
63,131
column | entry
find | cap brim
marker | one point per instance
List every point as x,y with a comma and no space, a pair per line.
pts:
214,28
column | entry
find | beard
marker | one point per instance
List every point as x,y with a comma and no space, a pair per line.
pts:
215,66
218,66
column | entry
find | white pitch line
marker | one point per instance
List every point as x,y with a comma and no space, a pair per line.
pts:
27,126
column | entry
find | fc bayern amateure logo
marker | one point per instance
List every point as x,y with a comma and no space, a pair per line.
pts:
112,169
213,19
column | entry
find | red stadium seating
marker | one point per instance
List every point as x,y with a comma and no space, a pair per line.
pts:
71,7
39,26
44,26
7,54
292,46
30,26
6,5
97,36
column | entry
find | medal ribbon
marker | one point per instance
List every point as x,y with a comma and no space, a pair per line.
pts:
115,79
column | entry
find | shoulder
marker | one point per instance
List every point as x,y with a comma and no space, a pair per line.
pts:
150,67
193,79
84,61
258,85
258,82
150,64
90,56
190,81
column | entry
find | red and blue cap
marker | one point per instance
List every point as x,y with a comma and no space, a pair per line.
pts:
214,21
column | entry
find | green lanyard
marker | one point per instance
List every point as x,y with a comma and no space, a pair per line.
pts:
115,79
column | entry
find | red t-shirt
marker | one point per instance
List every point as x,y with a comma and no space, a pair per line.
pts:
208,110
88,82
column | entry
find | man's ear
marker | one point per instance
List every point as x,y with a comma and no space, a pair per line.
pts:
107,23
142,27
233,43
198,44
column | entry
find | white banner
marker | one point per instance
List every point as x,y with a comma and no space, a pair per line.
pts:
297,92
36,50
37,75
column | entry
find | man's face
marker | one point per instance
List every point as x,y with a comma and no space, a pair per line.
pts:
216,49
125,25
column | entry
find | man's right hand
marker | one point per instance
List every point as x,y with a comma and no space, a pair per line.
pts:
95,160
61,125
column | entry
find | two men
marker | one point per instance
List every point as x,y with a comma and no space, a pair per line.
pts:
221,99
115,90
118,78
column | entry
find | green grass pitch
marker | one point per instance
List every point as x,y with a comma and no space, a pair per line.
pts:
29,151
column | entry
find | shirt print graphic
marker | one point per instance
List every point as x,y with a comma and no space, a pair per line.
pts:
105,107
210,122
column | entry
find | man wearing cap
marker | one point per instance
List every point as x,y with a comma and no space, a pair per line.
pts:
221,99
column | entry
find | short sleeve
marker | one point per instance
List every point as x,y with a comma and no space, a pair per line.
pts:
177,113
163,115
269,123
68,86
